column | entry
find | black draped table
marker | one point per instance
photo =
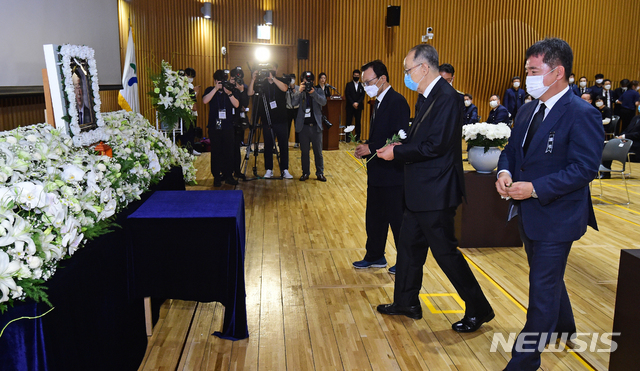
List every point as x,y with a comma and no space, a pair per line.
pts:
97,323
190,245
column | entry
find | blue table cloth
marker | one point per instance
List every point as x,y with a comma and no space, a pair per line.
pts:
190,245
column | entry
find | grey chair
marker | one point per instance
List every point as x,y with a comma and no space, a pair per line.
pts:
616,150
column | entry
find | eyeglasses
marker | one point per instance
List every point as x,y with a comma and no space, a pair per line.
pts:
408,71
367,83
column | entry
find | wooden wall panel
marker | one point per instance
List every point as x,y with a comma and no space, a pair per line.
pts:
21,111
484,40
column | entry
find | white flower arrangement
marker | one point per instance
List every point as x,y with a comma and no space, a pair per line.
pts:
78,53
55,196
486,135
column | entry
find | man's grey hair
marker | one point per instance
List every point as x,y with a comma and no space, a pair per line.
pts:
425,53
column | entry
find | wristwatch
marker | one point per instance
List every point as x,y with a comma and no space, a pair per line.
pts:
533,193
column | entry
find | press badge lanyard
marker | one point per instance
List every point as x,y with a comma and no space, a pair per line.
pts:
307,112
222,113
272,103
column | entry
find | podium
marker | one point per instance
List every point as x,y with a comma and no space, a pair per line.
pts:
332,110
625,321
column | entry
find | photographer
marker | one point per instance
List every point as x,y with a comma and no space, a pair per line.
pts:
221,106
292,111
264,83
309,124
241,121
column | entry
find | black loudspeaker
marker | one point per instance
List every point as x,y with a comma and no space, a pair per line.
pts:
393,16
303,49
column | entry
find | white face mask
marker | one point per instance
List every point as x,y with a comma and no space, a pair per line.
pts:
571,80
493,104
467,102
583,84
190,79
607,87
516,84
599,81
599,104
371,90
535,85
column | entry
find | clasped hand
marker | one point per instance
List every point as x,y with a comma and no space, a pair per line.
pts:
362,150
508,189
386,152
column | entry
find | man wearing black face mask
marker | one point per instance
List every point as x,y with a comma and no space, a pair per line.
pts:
354,93
385,179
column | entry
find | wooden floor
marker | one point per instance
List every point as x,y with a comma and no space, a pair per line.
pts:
309,309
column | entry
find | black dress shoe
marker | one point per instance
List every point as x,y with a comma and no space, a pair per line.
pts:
414,311
321,178
471,324
240,176
231,181
304,177
217,182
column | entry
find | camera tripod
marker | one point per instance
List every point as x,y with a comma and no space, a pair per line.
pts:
254,138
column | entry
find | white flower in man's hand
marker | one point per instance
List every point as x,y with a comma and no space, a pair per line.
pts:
402,134
349,128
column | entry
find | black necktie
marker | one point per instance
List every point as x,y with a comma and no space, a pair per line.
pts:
374,109
535,123
421,100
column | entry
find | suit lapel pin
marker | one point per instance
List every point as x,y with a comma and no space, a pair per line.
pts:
550,142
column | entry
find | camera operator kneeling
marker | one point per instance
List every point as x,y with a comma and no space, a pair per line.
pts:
221,105
309,124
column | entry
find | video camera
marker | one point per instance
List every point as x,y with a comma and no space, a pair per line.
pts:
308,79
264,71
238,75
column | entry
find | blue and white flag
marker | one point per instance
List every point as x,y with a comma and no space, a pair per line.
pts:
128,97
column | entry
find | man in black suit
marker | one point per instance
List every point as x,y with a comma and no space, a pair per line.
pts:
582,86
607,94
385,182
434,187
354,93
633,132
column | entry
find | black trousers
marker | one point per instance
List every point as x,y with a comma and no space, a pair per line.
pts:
435,230
351,114
280,134
238,137
385,206
222,144
626,115
291,121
